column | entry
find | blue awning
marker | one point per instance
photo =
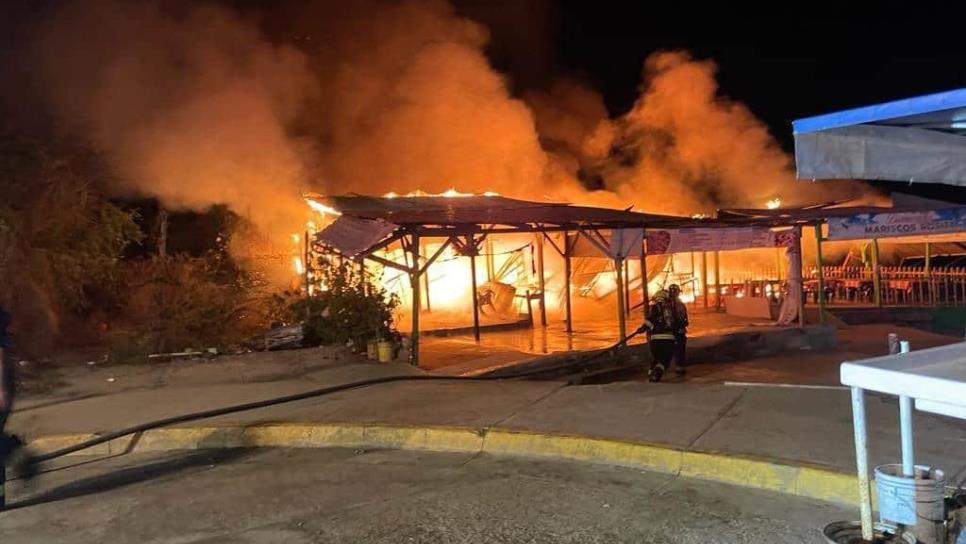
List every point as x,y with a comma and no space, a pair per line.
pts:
920,139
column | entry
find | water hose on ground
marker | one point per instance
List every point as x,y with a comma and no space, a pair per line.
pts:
107,437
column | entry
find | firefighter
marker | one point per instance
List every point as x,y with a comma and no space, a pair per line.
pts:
12,452
681,331
660,327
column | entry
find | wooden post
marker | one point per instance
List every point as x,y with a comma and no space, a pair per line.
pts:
414,283
717,281
471,244
644,295
490,259
541,282
694,281
621,314
927,276
778,264
876,273
567,273
306,256
162,232
429,307
801,276
821,274
704,277
627,288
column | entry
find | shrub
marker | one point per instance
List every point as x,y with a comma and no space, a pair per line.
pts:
348,308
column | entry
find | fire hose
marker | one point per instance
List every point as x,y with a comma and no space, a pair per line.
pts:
205,414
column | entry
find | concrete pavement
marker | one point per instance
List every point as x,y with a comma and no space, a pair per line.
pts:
391,496
772,438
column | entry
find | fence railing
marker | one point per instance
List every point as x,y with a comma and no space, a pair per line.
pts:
899,286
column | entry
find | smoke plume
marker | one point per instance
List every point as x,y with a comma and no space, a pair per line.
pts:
197,105
684,148
192,103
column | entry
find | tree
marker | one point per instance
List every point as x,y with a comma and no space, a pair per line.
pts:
61,239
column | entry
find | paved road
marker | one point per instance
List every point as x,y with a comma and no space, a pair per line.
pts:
339,495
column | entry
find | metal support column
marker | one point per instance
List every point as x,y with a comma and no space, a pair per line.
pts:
821,274
905,428
862,462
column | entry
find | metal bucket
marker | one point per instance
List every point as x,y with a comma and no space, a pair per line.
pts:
385,348
850,532
918,503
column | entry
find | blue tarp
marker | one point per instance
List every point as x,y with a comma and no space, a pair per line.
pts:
920,139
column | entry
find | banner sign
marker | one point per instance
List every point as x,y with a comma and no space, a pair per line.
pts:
888,225
720,239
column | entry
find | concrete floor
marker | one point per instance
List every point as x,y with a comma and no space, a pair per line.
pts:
338,495
459,353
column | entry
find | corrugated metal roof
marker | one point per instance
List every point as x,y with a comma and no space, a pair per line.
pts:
486,210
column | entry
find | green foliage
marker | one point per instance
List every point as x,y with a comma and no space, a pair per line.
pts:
61,239
185,302
349,308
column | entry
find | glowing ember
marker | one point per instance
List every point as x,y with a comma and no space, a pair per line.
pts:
322,208
450,193
774,204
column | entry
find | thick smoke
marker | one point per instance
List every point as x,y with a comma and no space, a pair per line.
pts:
410,101
683,148
197,106
193,105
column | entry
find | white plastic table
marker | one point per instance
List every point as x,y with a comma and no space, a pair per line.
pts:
935,379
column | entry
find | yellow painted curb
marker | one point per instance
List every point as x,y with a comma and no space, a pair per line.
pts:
760,473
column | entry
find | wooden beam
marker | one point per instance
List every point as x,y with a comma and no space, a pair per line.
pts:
439,251
597,243
390,264
554,244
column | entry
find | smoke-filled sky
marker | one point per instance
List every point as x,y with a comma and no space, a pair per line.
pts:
251,103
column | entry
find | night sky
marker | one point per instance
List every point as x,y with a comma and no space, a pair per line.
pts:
808,59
